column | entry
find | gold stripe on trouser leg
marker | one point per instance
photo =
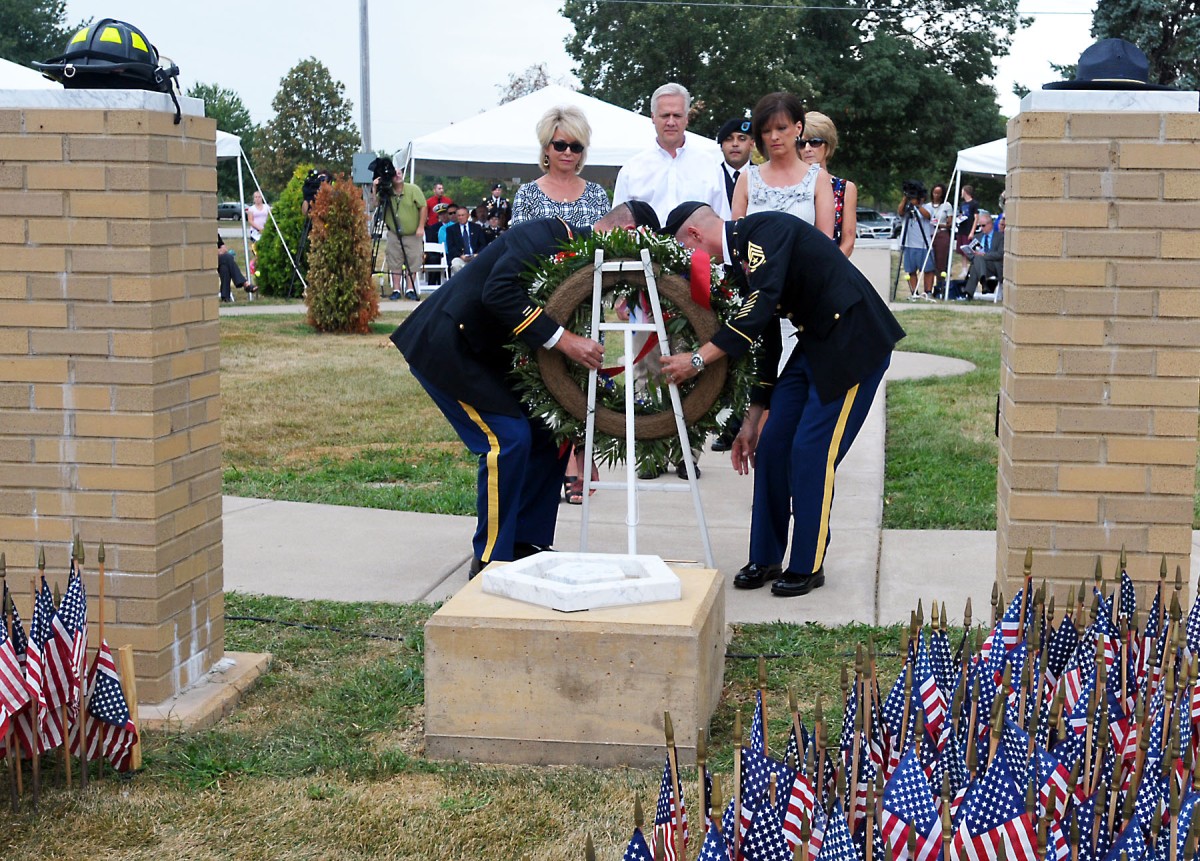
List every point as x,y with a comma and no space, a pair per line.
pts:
839,431
493,486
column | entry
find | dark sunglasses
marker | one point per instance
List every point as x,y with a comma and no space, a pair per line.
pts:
563,146
813,142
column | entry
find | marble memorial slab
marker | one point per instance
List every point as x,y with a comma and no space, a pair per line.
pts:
109,100
571,582
1144,101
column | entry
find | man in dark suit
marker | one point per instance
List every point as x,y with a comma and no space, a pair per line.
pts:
464,240
986,253
736,146
818,402
454,343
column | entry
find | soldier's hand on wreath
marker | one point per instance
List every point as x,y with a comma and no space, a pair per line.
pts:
677,368
742,454
582,350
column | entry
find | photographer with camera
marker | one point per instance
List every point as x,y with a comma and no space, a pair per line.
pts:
400,207
915,238
312,185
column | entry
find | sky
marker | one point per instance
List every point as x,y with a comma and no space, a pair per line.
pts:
433,63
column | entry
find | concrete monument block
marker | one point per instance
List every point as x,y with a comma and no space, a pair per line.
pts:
508,681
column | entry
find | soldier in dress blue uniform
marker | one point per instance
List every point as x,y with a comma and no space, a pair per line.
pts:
817,403
454,343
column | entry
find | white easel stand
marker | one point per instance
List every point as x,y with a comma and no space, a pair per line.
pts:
631,485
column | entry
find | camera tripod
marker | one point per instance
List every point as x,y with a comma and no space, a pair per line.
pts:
301,246
378,226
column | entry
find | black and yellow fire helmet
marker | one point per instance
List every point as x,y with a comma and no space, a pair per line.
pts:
109,54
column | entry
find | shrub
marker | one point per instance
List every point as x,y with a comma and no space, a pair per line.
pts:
340,295
274,275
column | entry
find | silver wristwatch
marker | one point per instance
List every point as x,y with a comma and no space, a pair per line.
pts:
697,362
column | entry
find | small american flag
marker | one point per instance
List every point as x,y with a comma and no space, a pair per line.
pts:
1062,645
13,693
943,664
1127,599
799,808
927,695
765,840
47,735
714,847
68,629
907,805
757,741
994,811
113,734
1131,841
1193,628
797,749
636,849
838,842
1012,626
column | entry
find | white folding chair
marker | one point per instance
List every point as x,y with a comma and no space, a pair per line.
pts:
442,267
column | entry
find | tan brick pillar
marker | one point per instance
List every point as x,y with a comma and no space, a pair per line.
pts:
1100,351
109,396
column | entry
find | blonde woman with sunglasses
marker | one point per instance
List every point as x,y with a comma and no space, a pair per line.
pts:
817,146
563,135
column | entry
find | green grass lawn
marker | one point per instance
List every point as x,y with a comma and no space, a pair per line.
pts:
324,759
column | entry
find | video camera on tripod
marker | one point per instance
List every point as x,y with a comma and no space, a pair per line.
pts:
913,191
312,184
383,169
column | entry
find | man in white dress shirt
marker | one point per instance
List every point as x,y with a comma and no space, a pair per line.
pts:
668,172
665,175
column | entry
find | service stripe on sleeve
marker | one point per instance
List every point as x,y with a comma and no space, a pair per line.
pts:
525,325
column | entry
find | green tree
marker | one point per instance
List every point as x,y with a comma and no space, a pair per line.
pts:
312,123
274,274
226,107
340,295
901,80
34,29
1167,30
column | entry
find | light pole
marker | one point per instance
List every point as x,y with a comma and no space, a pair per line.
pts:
364,74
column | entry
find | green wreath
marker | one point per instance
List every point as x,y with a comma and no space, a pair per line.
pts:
555,389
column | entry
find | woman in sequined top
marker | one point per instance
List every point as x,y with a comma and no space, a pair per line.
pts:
784,183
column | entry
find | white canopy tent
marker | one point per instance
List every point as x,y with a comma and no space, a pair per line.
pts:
502,142
987,159
230,146
14,76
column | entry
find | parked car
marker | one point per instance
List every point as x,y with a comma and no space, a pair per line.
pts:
230,210
872,224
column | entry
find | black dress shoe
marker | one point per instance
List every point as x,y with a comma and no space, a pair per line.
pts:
681,469
477,565
723,442
792,584
753,576
521,549
650,473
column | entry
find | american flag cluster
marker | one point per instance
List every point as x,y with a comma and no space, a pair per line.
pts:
1047,738
49,699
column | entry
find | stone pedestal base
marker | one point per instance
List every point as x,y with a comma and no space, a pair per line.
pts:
510,682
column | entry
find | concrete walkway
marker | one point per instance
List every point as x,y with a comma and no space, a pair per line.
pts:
306,551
